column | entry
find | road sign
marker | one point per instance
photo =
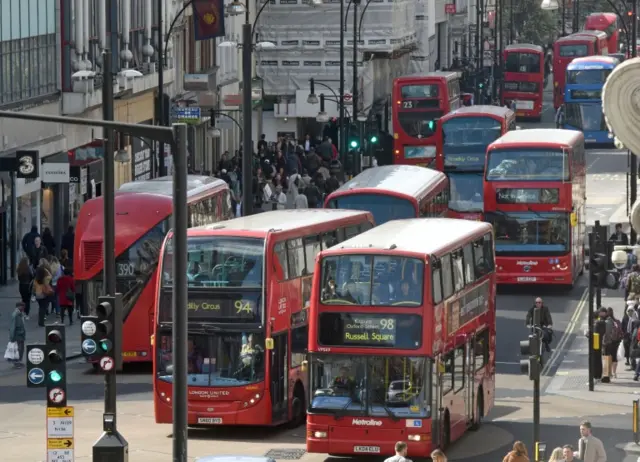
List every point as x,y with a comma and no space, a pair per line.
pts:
60,431
188,113
89,328
106,363
56,395
36,376
35,356
347,98
89,346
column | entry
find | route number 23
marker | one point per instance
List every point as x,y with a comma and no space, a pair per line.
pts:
407,105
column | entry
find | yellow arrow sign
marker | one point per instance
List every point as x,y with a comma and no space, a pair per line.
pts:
60,411
59,443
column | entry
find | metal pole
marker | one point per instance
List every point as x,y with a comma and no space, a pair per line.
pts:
592,242
342,144
161,57
180,332
511,34
14,225
247,143
633,173
494,88
536,381
356,103
564,2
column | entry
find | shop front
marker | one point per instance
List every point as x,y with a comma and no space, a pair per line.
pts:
55,174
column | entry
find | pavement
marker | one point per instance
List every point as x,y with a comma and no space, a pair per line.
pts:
35,334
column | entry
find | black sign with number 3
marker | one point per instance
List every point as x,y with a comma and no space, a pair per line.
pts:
28,163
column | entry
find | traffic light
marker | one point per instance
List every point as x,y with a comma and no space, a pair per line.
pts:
373,139
102,334
55,366
433,125
598,263
530,348
353,143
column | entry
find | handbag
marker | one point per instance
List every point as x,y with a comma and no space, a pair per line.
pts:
11,353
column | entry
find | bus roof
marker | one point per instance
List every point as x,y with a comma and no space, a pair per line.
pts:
406,180
524,47
479,110
280,220
539,136
163,186
420,235
576,38
438,75
589,62
594,19
592,33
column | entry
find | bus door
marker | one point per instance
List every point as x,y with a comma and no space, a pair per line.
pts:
471,378
437,411
278,374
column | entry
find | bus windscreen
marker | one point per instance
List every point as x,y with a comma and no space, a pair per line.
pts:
383,207
466,192
588,76
527,165
523,62
417,124
465,141
585,116
574,51
232,359
367,280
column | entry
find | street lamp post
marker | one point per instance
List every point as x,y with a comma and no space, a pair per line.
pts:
162,50
214,131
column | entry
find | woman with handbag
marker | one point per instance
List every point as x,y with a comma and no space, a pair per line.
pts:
43,291
66,293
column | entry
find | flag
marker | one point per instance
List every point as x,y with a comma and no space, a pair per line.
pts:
208,18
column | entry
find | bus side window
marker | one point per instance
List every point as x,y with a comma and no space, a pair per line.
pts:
280,252
447,373
436,282
458,271
458,365
447,276
469,274
482,349
365,226
299,341
329,239
340,233
311,249
295,258
488,251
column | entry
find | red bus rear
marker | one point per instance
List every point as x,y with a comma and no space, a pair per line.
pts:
607,23
565,49
142,218
402,338
524,79
394,192
417,102
465,134
535,197
249,289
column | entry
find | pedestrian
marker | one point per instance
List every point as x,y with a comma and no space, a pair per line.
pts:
567,452
65,260
300,201
28,240
619,237
43,291
401,453
280,198
37,252
48,241
517,454
67,242
617,336
57,272
590,448
25,284
630,322
557,455
608,343
438,456
18,332
66,294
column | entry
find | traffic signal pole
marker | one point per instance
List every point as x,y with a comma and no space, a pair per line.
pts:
536,380
590,320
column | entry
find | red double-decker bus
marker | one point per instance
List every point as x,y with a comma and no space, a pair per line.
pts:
248,298
402,338
466,134
607,23
394,192
524,79
142,218
535,197
565,49
417,102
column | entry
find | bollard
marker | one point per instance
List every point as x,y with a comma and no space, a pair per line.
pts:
636,424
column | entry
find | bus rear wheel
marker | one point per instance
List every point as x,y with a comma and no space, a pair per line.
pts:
298,415
479,412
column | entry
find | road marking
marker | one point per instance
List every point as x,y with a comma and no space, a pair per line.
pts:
567,333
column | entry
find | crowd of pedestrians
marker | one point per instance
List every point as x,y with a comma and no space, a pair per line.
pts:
287,174
45,277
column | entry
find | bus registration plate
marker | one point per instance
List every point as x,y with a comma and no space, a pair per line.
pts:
210,420
524,105
527,279
367,449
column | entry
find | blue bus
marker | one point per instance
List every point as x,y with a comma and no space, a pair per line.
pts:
583,97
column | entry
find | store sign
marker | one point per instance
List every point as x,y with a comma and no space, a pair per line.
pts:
141,157
53,172
28,162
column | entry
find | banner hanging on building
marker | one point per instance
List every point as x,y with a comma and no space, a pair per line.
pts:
208,18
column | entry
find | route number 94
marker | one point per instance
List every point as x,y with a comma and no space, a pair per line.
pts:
243,307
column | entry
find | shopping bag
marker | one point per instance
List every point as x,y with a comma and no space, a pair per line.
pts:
621,352
11,353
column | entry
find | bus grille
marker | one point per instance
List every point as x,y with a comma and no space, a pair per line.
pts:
92,253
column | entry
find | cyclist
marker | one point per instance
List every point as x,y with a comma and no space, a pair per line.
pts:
546,322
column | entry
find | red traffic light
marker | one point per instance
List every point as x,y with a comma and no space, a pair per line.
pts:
54,336
104,309
629,13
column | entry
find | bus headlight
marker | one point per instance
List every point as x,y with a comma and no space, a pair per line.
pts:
417,437
319,434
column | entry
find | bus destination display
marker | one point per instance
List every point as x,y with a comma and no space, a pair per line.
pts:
373,331
586,94
242,307
527,195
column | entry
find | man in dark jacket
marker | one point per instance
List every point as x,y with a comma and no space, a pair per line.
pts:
67,241
546,323
29,239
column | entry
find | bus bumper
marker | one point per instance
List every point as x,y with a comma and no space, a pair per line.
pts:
555,278
349,441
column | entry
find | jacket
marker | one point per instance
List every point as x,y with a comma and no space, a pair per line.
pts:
65,285
545,316
17,331
594,452
514,457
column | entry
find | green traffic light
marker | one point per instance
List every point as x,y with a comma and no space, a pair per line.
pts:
105,345
481,85
374,139
55,376
354,144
